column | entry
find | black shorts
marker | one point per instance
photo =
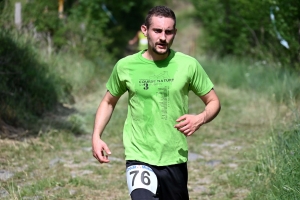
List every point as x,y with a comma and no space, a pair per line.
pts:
172,182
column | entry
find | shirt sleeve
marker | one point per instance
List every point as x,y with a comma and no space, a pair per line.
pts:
115,85
200,83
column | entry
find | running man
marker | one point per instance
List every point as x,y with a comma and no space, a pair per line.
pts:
155,132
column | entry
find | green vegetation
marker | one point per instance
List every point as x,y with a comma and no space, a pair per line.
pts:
246,29
50,60
269,167
278,167
257,76
24,77
53,74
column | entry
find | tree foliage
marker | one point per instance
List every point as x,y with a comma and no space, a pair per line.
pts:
245,28
93,28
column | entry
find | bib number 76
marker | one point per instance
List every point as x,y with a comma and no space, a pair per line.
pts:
141,176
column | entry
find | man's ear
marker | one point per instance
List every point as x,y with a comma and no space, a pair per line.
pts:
144,29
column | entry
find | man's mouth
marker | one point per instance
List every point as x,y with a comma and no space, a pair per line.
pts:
162,45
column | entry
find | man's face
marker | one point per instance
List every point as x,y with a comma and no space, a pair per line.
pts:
160,35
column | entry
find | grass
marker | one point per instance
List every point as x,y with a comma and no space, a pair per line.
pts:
261,76
278,165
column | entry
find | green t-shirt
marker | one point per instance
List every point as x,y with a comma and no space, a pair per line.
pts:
157,96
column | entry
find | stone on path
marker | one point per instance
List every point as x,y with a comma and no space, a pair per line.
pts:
5,175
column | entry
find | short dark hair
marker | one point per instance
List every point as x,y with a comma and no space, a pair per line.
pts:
162,11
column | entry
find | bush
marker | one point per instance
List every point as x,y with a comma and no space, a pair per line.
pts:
244,28
27,87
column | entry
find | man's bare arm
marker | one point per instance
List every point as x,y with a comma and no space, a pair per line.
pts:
103,115
212,107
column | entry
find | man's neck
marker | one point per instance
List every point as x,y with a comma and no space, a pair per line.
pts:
150,55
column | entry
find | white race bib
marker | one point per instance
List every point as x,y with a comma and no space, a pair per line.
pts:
141,176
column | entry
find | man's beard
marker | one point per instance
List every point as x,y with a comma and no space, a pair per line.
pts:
163,53
160,53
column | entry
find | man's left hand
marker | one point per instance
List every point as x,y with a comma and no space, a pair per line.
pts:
188,124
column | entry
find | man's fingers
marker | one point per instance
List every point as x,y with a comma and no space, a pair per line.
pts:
97,157
181,124
101,156
104,157
106,150
182,127
186,131
180,119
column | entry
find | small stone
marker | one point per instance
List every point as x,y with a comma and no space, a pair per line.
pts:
194,156
3,193
5,175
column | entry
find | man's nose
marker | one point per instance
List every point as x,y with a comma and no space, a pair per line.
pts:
162,36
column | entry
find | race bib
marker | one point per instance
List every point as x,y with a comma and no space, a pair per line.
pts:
141,176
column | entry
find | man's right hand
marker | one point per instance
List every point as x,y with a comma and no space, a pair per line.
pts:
100,150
